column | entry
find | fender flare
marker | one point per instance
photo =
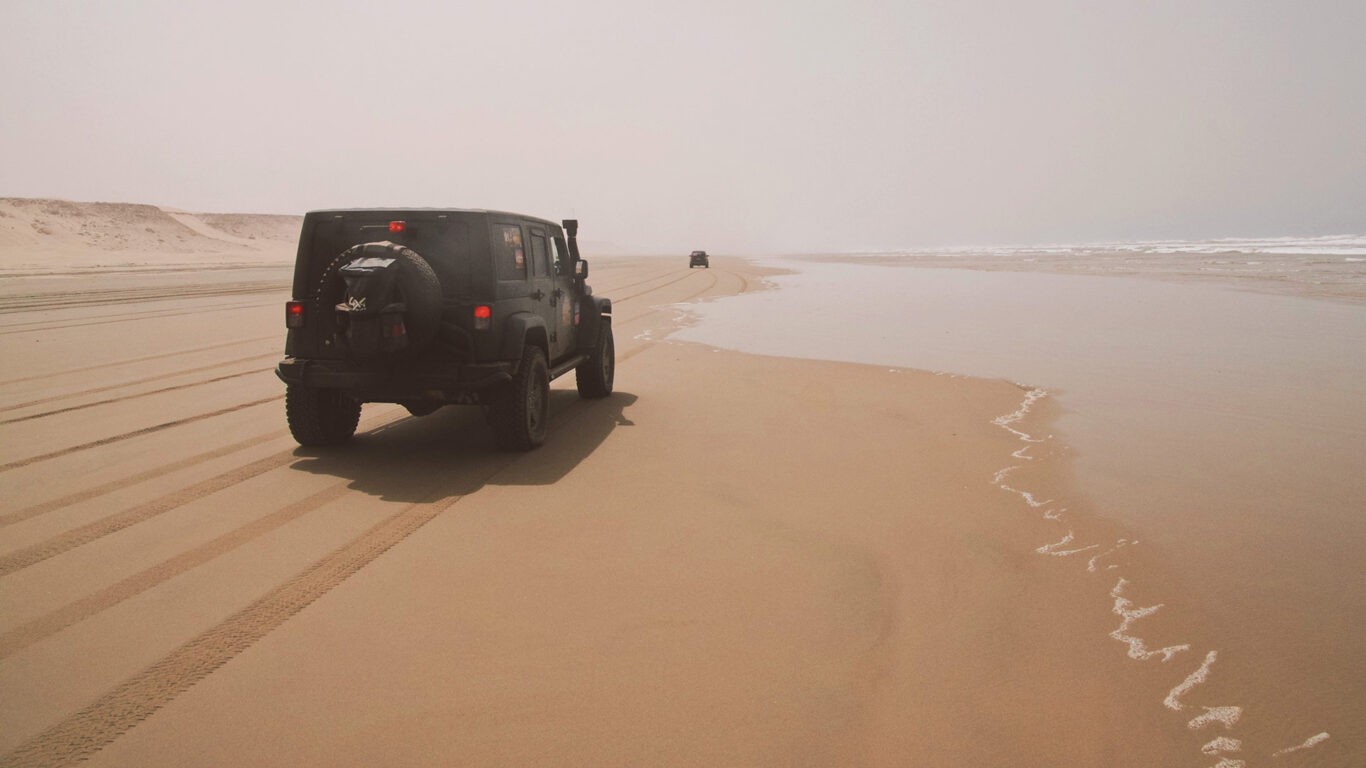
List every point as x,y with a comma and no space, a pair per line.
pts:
519,329
591,314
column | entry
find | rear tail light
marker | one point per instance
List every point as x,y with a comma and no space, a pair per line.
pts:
483,318
294,314
397,226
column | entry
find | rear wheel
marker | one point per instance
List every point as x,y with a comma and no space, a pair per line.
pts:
520,410
594,375
320,416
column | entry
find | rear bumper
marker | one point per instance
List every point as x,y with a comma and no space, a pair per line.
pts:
458,385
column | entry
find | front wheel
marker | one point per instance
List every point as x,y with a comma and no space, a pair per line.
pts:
320,416
594,375
520,410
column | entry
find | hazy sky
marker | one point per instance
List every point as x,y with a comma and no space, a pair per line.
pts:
752,126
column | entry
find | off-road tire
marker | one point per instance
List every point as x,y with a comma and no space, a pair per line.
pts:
520,409
320,417
594,375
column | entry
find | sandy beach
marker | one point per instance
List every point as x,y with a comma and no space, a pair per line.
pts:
736,559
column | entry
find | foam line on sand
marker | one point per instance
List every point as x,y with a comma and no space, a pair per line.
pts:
1222,744
1056,548
1308,743
1200,675
1091,564
1138,648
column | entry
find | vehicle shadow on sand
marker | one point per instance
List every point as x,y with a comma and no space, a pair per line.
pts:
452,452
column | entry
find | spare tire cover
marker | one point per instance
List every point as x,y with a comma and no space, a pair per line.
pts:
416,286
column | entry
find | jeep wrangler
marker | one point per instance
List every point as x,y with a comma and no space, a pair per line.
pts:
431,307
698,258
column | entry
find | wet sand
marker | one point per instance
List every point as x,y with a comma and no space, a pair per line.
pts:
735,559
1221,428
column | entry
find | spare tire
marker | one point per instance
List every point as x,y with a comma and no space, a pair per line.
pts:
415,286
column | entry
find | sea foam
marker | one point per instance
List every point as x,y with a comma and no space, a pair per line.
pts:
1312,741
1056,548
1138,648
1173,700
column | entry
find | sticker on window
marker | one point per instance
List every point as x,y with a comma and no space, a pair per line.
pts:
512,238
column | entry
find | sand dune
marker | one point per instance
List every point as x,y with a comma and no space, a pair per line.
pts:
48,233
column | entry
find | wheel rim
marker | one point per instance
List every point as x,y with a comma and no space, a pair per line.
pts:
607,359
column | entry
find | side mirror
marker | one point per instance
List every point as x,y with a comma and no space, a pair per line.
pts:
580,269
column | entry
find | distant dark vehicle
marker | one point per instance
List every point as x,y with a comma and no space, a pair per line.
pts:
698,259
429,307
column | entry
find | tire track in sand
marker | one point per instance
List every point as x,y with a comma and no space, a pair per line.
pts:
161,356
134,433
131,480
135,382
12,329
50,301
149,393
130,314
662,274
113,714
165,469
107,525
50,624
652,310
89,532
652,290
744,283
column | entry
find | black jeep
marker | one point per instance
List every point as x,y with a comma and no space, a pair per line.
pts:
698,259
429,307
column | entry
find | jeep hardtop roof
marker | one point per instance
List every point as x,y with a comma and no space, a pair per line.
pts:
394,211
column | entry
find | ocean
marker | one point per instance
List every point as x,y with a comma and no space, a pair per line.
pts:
1323,267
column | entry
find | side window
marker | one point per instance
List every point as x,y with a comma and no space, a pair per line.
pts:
561,259
539,254
511,254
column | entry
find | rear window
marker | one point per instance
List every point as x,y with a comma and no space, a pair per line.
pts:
442,242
